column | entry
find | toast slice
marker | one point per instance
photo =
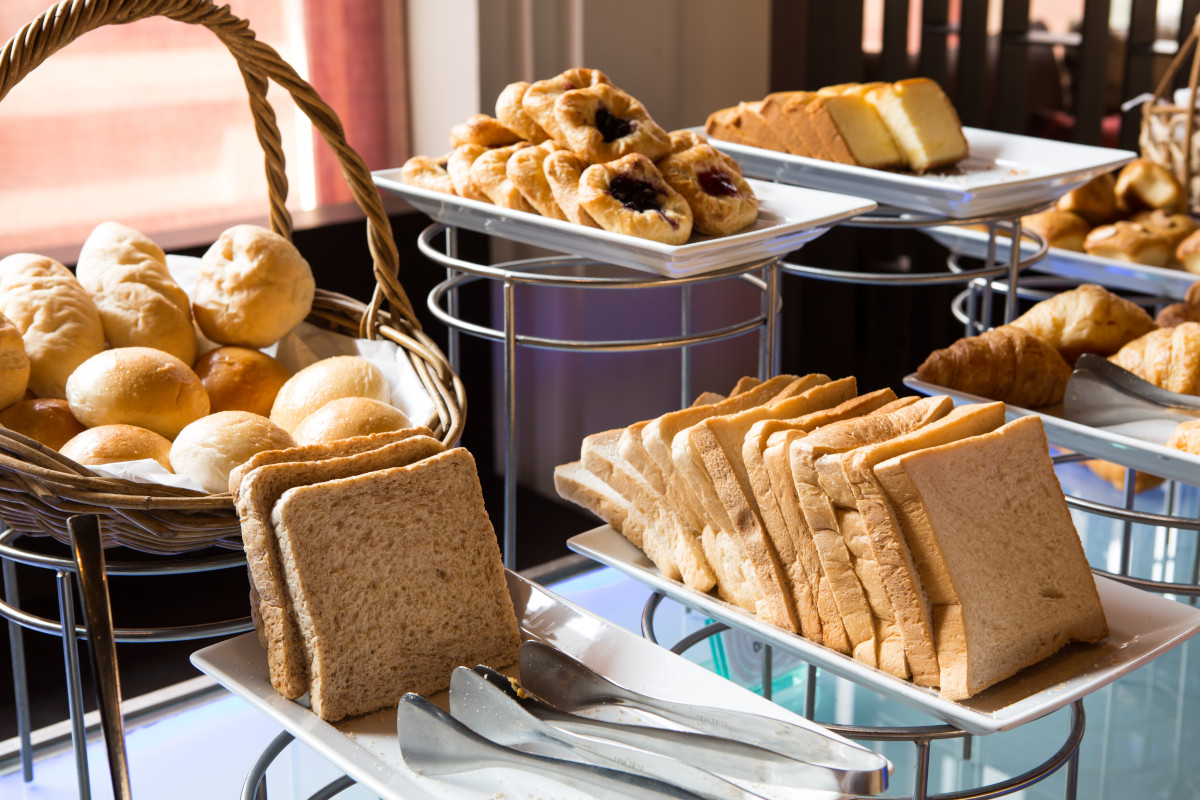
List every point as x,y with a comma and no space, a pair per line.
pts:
801,565
257,493
970,505
715,447
414,549
836,559
878,544
581,486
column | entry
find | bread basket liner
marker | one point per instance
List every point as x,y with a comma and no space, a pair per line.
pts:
40,488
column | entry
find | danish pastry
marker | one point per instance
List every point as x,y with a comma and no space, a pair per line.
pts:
1145,184
525,170
538,100
630,196
1128,241
1186,437
484,130
563,170
721,200
685,140
603,123
513,115
430,173
490,174
459,166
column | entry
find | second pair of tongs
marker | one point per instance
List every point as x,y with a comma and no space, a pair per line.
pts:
1100,393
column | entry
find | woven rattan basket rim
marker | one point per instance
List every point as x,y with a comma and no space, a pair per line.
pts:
163,519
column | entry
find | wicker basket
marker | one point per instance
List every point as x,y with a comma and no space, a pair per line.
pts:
1170,134
39,488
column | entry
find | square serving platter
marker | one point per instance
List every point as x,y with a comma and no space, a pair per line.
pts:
366,748
1161,282
1142,627
1003,172
1139,444
788,217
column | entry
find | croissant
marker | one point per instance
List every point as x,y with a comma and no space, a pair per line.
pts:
1086,319
1006,363
1167,357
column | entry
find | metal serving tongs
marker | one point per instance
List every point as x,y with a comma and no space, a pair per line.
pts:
571,685
490,710
1100,393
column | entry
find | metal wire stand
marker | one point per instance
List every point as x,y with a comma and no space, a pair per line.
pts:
65,573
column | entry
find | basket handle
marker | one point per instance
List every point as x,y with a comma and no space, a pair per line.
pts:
1164,85
69,19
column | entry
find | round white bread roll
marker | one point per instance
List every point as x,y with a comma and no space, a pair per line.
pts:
325,380
45,419
106,444
14,364
137,386
140,304
241,379
209,448
253,287
346,417
55,315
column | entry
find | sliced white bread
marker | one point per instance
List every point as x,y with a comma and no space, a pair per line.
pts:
836,559
1013,580
576,483
257,493
414,550
878,545
715,446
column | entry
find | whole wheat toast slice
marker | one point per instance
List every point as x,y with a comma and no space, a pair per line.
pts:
836,559
849,479
257,493
414,550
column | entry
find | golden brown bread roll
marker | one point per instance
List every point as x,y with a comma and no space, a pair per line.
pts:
1006,363
107,444
56,317
45,419
1186,437
209,448
1167,357
14,364
1188,252
1061,229
1172,227
1095,201
140,304
1144,184
253,287
1115,474
1086,319
347,417
325,380
1128,241
137,386
241,379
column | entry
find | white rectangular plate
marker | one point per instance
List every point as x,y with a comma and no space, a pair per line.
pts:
788,216
1140,444
366,747
1142,627
1003,172
1170,284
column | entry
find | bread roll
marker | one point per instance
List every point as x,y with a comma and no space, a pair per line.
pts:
241,379
1188,253
45,419
107,444
253,287
137,386
14,364
325,380
1095,201
1062,229
140,304
1172,227
55,315
1128,241
1144,184
207,449
346,417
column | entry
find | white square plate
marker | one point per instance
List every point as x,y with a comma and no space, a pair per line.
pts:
1003,172
1142,626
366,747
788,216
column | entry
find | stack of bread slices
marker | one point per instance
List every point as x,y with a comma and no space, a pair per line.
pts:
374,567
931,542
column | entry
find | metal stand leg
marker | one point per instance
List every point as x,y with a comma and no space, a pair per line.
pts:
20,679
766,671
510,426
810,692
1014,270
66,610
771,346
452,354
921,763
685,352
